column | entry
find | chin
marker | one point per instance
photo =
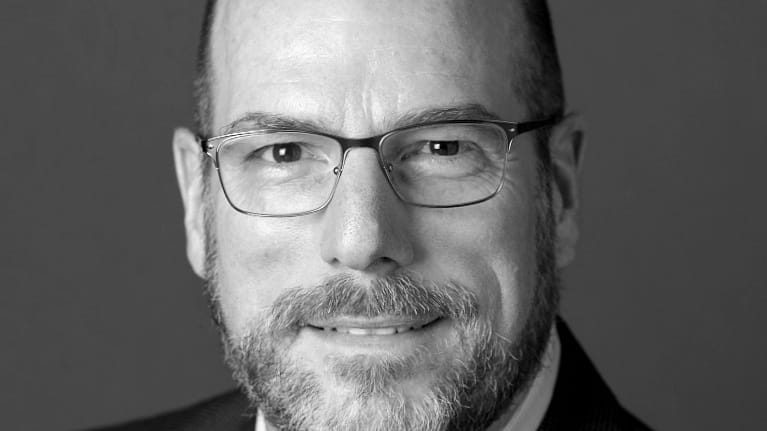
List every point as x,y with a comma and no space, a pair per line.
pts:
425,389
304,365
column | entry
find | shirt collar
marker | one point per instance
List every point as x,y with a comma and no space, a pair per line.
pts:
530,412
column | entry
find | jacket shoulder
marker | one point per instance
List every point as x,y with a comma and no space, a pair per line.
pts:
225,412
582,400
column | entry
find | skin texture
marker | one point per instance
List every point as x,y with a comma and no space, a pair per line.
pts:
355,69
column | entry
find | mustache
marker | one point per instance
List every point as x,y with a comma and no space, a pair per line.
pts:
399,294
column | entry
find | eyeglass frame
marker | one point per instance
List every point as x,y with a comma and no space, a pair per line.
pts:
511,129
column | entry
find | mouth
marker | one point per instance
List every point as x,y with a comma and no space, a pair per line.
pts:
380,336
373,327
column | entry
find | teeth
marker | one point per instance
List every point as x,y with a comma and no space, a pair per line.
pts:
384,331
389,330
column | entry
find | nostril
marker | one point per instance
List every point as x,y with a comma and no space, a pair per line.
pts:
382,266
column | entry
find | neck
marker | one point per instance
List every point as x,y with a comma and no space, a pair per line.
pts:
506,421
529,406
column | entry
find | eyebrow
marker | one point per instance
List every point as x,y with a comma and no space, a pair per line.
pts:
468,111
273,121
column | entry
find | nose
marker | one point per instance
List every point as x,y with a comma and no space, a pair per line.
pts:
365,226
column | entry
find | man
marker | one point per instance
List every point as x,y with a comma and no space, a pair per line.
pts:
386,195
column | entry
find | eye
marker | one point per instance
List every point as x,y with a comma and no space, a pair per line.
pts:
435,149
285,152
443,148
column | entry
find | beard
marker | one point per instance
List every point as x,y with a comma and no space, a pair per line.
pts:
475,377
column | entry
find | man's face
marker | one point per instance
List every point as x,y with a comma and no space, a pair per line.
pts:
357,69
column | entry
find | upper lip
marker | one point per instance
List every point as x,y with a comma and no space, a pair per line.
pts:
373,322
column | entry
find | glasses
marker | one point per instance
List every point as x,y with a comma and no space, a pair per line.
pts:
286,173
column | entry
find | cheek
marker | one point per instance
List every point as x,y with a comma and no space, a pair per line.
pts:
494,254
257,259
515,267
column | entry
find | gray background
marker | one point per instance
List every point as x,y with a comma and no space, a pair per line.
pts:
102,320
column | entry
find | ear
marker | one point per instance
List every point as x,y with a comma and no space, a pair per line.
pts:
187,155
566,146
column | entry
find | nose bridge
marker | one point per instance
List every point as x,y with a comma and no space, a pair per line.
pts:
362,184
364,222
347,145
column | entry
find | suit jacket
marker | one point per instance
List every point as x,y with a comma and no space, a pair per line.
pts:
581,402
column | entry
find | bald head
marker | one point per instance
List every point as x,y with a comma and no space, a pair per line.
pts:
247,48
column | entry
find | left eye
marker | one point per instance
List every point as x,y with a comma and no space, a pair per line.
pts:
442,148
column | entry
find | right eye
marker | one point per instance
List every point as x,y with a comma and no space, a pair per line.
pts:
285,152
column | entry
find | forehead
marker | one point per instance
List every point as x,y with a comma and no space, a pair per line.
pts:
359,65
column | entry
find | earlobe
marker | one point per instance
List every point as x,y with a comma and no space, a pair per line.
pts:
186,156
566,147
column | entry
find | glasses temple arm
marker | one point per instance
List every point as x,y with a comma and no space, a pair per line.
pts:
532,125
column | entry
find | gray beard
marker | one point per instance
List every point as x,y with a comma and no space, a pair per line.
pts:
475,381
